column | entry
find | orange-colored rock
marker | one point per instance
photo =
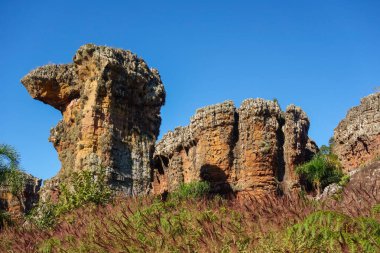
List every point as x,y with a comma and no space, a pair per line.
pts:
110,101
357,137
258,146
17,205
201,150
298,147
250,150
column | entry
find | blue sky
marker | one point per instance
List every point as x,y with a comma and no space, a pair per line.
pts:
321,55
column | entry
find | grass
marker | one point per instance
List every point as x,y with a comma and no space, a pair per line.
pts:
83,188
199,223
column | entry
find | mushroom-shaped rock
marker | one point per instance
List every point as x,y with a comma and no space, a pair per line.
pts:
110,101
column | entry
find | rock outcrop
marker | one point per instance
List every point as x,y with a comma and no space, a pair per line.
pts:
357,137
253,149
110,101
21,203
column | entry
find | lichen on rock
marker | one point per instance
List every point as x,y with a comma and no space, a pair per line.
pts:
357,137
110,101
249,150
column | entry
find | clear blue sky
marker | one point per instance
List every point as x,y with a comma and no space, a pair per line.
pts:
321,55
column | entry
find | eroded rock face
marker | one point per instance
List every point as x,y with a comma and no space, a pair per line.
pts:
249,150
110,101
19,204
357,137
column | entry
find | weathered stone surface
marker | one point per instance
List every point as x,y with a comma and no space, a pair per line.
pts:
361,193
17,205
329,191
250,150
201,150
258,146
357,137
365,178
298,148
110,101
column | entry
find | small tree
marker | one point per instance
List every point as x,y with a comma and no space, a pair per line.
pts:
321,171
9,158
10,173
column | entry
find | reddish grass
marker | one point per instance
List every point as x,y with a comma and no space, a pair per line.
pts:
203,225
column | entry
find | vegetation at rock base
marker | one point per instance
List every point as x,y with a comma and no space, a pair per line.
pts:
10,173
83,188
199,223
11,177
323,169
5,219
191,190
87,217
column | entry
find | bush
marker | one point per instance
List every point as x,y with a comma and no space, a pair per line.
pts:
5,219
14,179
10,173
192,190
84,187
11,177
344,180
322,170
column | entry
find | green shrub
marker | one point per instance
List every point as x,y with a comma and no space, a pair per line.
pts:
344,180
11,175
376,209
5,219
321,171
15,180
44,215
325,231
83,187
192,190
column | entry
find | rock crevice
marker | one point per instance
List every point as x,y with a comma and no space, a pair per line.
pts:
357,137
24,201
251,149
110,101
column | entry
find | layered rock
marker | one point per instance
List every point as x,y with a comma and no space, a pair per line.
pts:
110,101
252,149
357,137
18,204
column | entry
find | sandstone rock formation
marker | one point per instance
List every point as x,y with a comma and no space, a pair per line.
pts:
110,101
252,149
363,187
18,205
357,137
